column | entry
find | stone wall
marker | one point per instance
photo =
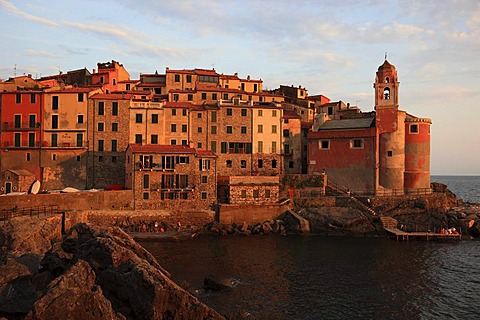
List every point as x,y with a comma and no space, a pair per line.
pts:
101,200
251,214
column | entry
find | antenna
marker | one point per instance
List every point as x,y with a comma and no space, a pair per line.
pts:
15,70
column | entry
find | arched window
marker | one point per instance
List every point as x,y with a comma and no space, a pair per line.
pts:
386,93
387,80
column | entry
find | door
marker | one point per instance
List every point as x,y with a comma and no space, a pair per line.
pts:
8,187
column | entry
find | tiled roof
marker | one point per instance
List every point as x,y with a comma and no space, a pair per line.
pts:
205,72
180,71
161,148
22,172
206,153
176,104
72,90
290,114
112,96
347,124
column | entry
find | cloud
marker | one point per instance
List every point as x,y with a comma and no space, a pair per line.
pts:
41,53
17,12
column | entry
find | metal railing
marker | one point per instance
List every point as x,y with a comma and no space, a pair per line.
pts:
37,211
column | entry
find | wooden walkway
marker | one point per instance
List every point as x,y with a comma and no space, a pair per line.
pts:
390,225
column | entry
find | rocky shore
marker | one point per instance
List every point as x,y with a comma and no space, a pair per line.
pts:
89,273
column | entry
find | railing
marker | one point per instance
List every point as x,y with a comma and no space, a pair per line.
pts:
37,211
43,144
11,126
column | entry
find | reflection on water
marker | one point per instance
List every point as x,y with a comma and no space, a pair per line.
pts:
330,278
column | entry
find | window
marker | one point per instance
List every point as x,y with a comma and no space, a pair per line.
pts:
154,118
138,118
114,159
243,193
146,181
204,96
214,96
330,111
274,128
274,164
214,116
213,146
146,196
255,87
32,121
55,103
204,179
324,144
256,193
80,118
101,108
80,97
175,97
173,128
128,87
100,145
356,144
244,130
174,112
79,158
260,163
189,78
225,96
286,133
54,157
101,79
229,111
267,193
184,112
204,164
274,146
229,129
177,78
154,139
228,163
213,130
260,113
244,112
18,98
242,86
100,126
115,126
138,139
286,148
260,147
33,98
114,108
274,113
17,121
184,128
55,121
28,156
199,145
184,142
389,153
173,142
18,137
79,139
204,195
260,128
243,164
386,93
31,139
223,147
114,145
414,128
190,97
54,141
290,164
199,129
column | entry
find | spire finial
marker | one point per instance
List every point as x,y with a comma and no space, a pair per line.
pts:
385,55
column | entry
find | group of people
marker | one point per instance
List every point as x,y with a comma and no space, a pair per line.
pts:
452,230
155,226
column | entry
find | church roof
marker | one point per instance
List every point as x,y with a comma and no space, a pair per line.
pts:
348,124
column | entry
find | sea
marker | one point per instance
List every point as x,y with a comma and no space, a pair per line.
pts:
319,277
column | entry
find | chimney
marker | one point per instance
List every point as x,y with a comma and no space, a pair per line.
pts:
248,77
94,71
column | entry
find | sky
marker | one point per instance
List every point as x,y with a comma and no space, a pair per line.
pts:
330,47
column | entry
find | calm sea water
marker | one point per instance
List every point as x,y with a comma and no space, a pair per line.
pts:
465,187
315,277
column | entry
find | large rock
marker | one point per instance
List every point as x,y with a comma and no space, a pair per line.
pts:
216,283
74,295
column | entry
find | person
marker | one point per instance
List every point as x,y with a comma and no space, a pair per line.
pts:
179,226
348,192
369,202
155,227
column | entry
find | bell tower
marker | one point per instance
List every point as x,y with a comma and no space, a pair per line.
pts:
390,123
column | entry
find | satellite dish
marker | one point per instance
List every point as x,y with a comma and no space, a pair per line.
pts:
35,187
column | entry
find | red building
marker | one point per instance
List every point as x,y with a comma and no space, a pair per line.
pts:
385,151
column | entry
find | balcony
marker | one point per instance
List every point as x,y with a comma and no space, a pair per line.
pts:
24,144
11,126
64,145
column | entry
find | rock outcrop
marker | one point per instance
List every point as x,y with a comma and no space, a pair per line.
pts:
90,273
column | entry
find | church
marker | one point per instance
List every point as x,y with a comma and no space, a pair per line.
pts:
384,152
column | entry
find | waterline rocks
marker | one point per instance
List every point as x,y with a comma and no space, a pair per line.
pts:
91,273
266,227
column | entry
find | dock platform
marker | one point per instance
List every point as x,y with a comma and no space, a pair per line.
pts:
390,225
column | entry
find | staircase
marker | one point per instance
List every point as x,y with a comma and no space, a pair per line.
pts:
346,192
